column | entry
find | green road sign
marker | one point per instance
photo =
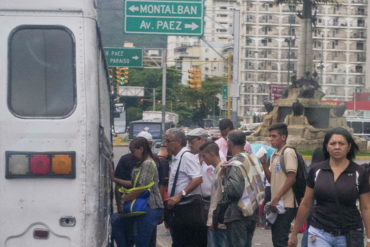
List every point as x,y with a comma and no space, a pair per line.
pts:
224,91
183,18
124,57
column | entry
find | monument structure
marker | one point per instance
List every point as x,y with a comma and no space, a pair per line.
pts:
307,117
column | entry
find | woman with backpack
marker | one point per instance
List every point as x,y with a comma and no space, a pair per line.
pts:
335,184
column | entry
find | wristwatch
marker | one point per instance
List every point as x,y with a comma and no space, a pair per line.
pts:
183,192
368,240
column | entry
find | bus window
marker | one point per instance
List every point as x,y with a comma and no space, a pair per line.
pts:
41,71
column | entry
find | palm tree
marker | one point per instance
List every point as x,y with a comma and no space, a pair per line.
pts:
305,44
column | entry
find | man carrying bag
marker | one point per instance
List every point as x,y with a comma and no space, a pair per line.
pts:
184,206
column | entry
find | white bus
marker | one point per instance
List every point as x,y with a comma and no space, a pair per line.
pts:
55,125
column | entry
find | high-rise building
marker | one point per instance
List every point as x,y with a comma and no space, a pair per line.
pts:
218,17
269,41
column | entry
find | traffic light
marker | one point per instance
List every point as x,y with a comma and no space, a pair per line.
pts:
111,74
198,78
125,75
121,75
195,78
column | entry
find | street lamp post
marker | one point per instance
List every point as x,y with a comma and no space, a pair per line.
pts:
290,41
321,65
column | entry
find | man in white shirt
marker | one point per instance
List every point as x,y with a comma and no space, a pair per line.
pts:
196,138
188,181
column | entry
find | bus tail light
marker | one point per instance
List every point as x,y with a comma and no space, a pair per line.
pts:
61,164
40,165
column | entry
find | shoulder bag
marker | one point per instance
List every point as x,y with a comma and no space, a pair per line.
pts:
188,211
139,205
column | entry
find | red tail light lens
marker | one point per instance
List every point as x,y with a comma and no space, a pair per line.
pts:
40,164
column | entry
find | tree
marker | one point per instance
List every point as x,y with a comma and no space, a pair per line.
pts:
180,98
203,102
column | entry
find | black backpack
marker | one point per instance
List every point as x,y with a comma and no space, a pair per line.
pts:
299,186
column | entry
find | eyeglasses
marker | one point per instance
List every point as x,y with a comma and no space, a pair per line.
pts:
168,141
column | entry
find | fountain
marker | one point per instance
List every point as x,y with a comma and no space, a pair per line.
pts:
307,117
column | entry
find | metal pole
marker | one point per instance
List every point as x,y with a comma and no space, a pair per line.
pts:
153,99
228,85
289,62
235,82
322,59
164,75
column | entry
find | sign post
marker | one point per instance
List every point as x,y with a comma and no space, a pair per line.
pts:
183,18
124,57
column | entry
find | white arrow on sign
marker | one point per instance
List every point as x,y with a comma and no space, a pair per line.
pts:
133,8
135,57
192,26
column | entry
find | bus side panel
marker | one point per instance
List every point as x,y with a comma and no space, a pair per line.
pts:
40,203
97,199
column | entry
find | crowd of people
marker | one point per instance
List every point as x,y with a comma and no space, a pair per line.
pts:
197,186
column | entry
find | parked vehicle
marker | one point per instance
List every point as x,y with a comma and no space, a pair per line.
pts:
157,115
55,126
360,126
154,127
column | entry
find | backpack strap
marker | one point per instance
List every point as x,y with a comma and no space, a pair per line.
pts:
123,190
177,175
317,174
282,162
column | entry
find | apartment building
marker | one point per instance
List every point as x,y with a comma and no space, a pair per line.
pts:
184,52
269,41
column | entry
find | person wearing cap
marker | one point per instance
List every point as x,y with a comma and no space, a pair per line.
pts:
122,177
186,182
225,126
196,138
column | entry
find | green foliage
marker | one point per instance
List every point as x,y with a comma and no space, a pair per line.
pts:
191,105
133,113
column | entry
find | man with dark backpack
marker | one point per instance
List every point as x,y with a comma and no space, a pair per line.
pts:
299,186
283,200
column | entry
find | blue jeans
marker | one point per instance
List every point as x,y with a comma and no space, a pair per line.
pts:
216,238
122,230
143,224
325,239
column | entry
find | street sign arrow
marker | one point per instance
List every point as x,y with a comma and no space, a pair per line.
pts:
192,26
135,57
134,8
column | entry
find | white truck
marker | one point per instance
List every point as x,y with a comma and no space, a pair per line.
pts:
157,115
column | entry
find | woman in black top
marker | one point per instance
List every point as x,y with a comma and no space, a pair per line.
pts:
337,175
